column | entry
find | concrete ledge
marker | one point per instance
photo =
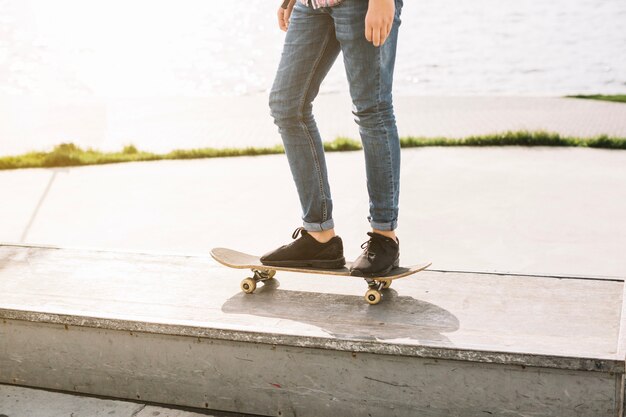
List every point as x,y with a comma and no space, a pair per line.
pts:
176,330
351,345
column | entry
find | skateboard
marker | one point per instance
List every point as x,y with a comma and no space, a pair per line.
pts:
239,260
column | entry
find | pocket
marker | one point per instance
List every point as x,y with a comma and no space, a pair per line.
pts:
399,4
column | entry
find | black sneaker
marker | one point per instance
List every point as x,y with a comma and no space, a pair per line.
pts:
381,254
307,252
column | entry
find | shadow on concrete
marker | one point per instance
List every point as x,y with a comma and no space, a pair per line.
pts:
350,317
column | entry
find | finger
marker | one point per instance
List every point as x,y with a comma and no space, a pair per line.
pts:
376,37
288,16
368,33
384,34
281,20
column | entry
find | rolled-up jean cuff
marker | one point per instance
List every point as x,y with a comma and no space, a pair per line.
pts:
318,227
384,226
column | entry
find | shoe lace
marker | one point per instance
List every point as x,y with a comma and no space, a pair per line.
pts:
367,246
297,232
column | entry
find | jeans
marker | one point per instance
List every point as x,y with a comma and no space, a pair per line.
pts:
312,43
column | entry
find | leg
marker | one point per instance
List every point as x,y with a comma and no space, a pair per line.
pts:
370,75
310,50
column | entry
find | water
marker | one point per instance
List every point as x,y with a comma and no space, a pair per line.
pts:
148,48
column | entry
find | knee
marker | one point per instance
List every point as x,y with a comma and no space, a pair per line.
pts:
284,111
374,115
275,103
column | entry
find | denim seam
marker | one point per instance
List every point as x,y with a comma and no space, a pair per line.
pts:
382,124
306,129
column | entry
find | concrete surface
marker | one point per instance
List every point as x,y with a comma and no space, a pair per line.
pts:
462,311
533,211
18,401
523,210
165,124
177,330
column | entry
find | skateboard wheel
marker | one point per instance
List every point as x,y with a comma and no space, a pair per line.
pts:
248,285
373,297
386,284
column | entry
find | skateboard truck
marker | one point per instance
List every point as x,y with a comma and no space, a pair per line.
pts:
374,294
248,285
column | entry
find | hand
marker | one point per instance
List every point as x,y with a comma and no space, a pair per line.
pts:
378,20
284,14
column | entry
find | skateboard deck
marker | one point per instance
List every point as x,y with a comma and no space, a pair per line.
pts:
239,260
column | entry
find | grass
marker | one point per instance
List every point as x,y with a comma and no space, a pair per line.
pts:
68,154
618,98
521,138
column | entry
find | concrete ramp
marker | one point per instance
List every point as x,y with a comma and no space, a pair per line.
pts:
177,330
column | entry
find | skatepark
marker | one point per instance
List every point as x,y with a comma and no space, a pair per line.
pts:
109,290
112,305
